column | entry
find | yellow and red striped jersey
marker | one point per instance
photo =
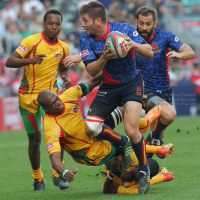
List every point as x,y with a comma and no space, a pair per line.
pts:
42,76
68,128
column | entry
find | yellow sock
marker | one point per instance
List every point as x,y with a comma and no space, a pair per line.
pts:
159,178
152,149
143,123
37,174
55,173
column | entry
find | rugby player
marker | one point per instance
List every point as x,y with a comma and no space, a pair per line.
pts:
125,181
122,84
157,90
64,127
41,55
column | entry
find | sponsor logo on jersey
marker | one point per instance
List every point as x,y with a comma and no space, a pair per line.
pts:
75,109
138,91
58,55
143,103
144,96
22,48
49,145
176,39
84,53
135,33
76,87
155,47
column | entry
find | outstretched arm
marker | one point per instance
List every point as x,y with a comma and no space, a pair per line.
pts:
16,60
60,168
143,49
88,86
65,75
184,53
72,60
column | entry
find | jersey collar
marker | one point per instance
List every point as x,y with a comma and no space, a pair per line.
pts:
105,36
44,37
152,35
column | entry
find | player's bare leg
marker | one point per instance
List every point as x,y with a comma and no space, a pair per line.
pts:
34,156
132,112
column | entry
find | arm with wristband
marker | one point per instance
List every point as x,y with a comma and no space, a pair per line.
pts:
69,175
115,166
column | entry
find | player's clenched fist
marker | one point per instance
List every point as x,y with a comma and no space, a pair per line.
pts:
37,59
70,175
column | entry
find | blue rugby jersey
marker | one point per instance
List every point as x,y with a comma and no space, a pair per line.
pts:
116,71
155,70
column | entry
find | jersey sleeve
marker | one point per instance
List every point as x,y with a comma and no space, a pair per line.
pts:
134,35
87,52
65,53
51,135
173,42
25,47
72,94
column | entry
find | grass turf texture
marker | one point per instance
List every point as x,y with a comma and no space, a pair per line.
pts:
16,180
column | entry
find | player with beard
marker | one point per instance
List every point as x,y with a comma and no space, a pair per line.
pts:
157,90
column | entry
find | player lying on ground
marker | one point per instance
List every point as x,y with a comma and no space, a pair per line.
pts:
125,181
64,127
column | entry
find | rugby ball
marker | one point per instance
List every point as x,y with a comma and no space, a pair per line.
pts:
115,41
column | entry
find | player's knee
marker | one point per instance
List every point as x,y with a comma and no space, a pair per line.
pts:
34,145
168,114
34,142
93,128
131,131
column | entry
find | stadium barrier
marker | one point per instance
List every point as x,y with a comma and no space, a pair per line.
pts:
10,118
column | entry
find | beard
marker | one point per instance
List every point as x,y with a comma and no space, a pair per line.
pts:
148,34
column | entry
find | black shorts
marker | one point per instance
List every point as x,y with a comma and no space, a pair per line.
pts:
119,94
165,95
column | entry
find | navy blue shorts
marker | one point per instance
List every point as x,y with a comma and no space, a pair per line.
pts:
165,95
119,94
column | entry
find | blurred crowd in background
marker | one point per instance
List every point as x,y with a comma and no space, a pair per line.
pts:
21,18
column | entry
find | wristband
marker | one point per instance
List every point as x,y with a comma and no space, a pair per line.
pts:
111,176
64,171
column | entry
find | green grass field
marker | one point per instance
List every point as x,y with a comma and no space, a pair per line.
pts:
16,180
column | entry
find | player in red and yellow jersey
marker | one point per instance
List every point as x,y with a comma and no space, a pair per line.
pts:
125,181
64,127
41,55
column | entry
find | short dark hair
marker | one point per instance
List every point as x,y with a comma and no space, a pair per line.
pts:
52,11
145,11
95,10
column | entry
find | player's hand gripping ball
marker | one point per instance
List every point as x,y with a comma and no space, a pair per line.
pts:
115,41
